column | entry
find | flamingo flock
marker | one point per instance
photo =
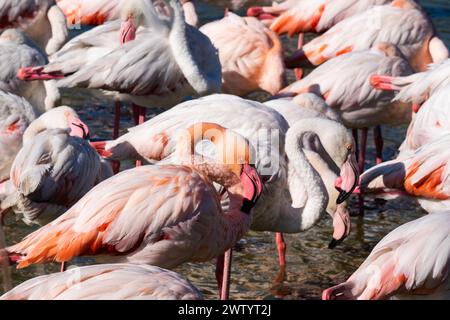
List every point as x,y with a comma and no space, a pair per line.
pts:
215,163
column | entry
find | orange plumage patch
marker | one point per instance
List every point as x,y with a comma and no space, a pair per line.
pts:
428,187
317,16
344,51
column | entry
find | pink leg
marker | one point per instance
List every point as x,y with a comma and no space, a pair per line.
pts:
281,247
116,164
139,118
223,274
378,144
299,71
361,162
63,266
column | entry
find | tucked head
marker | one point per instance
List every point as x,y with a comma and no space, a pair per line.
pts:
58,118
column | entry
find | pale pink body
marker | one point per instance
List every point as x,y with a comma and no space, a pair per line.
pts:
411,262
107,282
401,23
157,215
344,83
298,16
251,55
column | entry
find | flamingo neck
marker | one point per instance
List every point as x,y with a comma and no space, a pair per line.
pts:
183,55
305,183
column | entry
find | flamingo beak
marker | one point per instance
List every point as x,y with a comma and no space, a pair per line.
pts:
78,128
252,186
348,180
128,30
341,225
260,13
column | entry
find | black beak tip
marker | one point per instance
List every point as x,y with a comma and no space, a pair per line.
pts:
343,195
333,243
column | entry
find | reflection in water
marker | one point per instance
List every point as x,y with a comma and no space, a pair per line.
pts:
311,266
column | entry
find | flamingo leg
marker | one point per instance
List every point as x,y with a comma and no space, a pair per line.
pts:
281,248
299,71
139,118
4,260
378,139
361,162
63,266
223,274
355,136
116,164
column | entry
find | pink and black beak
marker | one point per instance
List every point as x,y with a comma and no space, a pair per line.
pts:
341,225
252,186
348,179
128,30
78,128
260,13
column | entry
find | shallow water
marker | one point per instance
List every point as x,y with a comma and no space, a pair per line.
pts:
312,267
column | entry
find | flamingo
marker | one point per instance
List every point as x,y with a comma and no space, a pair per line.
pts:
42,20
20,126
51,173
179,60
251,55
17,50
416,88
429,123
15,116
298,189
107,282
401,23
97,12
301,16
344,83
411,262
159,215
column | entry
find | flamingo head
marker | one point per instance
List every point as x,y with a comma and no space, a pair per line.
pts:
132,15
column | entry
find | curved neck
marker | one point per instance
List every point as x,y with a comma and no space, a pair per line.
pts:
305,183
182,52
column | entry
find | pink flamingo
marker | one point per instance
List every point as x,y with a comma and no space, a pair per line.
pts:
15,116
97,12
401,23
182,61
410,262
17,50
251,55
344,83
107,282
422,175
157,215
42,20
416,88
298,191
301,16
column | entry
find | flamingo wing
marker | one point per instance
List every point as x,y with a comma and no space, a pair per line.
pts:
405,28
413,259
346,87
89,12
427,170
246,57
107,282
138,207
